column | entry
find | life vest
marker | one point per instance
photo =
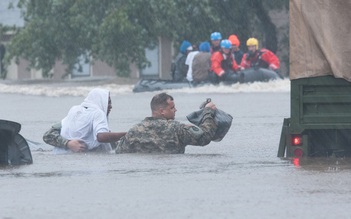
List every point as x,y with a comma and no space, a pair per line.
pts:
221,62
256,61
227,62
262,58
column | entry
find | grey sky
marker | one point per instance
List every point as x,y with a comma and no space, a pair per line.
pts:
10,17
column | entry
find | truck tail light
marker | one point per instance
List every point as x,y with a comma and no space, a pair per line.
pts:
296,140
298,152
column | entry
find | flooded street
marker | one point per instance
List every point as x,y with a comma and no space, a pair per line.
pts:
239,177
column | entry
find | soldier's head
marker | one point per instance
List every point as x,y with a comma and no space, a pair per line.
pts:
162,106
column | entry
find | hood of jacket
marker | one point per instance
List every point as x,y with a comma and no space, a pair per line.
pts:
98,99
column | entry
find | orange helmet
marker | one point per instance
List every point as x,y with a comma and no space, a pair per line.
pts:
234,40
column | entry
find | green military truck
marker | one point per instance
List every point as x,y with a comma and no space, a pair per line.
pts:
320,74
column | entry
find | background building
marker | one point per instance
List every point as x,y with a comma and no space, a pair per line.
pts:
160,57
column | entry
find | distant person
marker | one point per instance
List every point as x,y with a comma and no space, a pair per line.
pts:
216,38
259,58
223,65
238,54
195,47
85,128
202,63
189,63
179,68
161,134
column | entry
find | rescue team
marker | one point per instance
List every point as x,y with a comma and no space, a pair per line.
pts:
221,60
85,128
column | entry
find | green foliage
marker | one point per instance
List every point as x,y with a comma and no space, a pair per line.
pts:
118,31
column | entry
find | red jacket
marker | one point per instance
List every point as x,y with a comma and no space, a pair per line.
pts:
215,49
263,58
221,62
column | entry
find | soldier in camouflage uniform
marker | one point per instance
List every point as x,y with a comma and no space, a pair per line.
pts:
161,134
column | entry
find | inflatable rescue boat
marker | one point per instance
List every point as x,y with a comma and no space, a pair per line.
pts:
245,76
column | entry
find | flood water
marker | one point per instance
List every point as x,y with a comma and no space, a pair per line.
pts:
239,177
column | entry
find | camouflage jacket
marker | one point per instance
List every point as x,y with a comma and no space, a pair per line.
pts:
156,135
53,137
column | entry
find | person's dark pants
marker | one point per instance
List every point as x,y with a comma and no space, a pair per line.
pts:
213,78
228,77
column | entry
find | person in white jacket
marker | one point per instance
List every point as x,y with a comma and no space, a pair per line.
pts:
88,124
189,63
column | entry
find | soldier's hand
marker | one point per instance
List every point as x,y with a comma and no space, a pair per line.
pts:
76,145
211,105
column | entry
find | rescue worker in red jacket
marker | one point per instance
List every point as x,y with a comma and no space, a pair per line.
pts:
256,58
223,64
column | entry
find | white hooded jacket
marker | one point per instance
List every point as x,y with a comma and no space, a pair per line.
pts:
86,120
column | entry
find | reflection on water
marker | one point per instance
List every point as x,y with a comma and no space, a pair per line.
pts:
322,163
296,162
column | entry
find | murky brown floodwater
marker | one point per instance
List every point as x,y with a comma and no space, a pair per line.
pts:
240,177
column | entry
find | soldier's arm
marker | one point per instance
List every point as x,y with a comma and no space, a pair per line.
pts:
199,135
53,137
109,137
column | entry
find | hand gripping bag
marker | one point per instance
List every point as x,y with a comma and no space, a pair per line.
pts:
223,120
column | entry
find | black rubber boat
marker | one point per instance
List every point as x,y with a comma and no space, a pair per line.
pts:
245,76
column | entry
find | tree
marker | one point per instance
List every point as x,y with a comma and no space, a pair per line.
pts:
118,31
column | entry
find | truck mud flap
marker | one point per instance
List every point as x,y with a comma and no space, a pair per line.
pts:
284,133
